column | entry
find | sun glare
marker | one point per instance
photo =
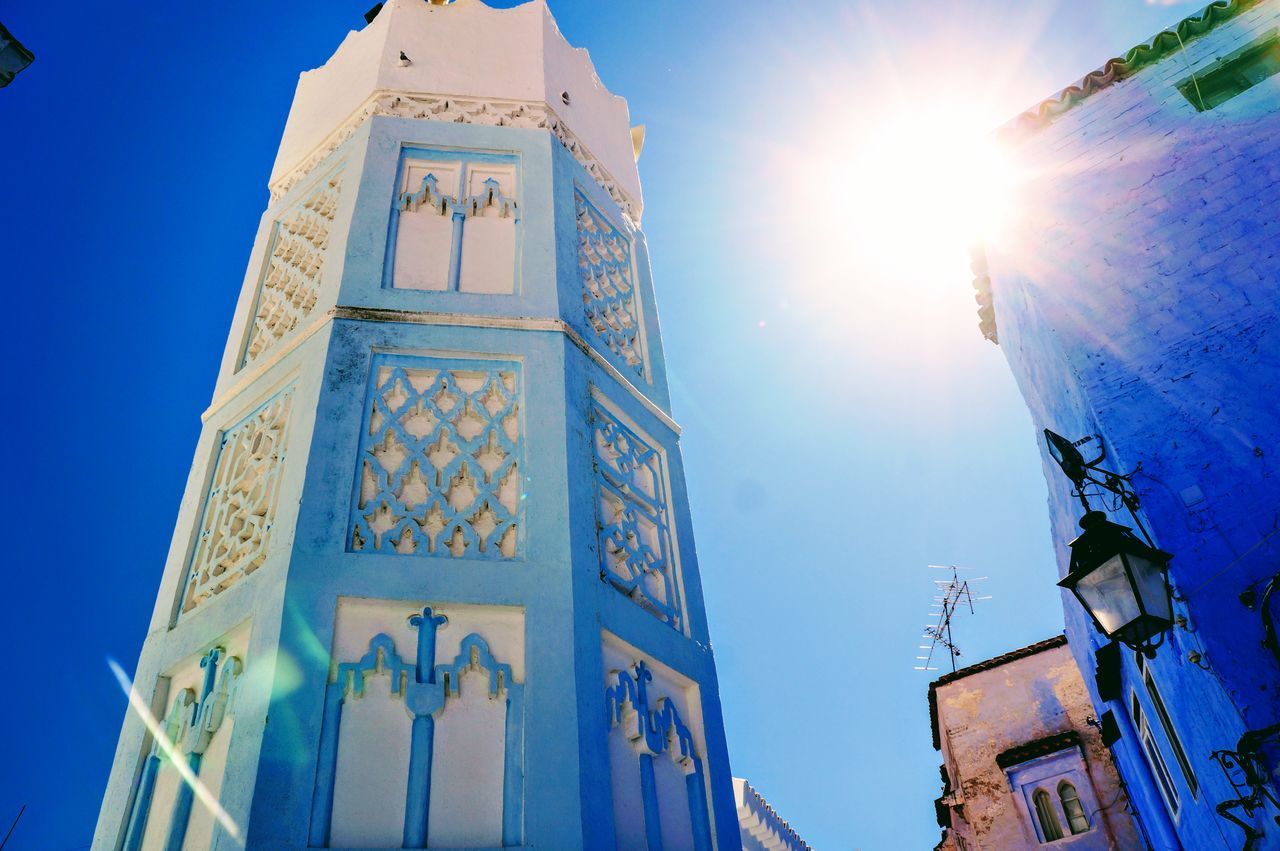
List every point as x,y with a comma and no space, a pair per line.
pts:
177,760
914,191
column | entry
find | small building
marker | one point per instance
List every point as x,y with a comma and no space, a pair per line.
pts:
1023,763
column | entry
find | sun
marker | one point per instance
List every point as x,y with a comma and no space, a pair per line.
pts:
907,193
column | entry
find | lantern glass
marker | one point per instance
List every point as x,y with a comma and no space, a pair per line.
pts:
1106,593
1148,576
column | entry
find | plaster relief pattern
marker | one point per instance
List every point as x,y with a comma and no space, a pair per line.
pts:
495,113
636,552
657,773
196,735
608,287
422,739
440,459
455,226
291,281
240,505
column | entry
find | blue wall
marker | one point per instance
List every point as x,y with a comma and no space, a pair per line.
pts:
1137,300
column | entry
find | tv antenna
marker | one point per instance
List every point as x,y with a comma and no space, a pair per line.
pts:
951,596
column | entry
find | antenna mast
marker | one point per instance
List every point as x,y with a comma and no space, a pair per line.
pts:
951,596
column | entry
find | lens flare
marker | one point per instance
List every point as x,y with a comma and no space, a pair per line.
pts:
911,193
176,759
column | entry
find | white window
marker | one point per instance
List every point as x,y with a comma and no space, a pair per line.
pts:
1154,758
1166,724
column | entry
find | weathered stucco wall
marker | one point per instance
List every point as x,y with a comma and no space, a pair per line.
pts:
991,708
1136,299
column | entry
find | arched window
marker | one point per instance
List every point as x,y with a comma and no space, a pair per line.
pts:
1049,827
1076,819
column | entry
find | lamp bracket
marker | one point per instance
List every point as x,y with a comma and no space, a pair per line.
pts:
1092,480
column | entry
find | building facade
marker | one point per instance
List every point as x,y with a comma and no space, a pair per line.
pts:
1023,762
433,581
1136,302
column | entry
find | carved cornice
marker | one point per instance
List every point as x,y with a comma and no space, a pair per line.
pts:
532,115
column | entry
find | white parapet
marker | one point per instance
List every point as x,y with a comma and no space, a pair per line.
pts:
465,62
761,827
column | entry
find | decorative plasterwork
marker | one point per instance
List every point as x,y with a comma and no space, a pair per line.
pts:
490,197
655,730
455,320
193,720
633,517
290,283
426,690
531,115
240,505
655,727
609,297
440,459
1162,45
455,223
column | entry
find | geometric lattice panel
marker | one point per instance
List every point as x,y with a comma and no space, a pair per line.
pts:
240,505
441,452
291,282
608,292
636,551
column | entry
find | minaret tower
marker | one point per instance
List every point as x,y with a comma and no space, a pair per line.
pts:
433,581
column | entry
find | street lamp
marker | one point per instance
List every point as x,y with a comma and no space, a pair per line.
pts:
1120,581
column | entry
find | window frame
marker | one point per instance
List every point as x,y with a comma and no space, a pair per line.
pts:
1046,774
1075,797
1155,758
1166,724
1046,816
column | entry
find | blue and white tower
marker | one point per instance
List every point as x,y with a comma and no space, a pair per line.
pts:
433,582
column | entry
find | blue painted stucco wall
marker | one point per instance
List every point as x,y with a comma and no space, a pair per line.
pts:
1137,299
556,580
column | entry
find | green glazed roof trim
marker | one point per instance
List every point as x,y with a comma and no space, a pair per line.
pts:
1122,67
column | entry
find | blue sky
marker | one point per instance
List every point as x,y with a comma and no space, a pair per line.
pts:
845,423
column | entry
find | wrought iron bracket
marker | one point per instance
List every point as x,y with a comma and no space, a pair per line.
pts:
1090,479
